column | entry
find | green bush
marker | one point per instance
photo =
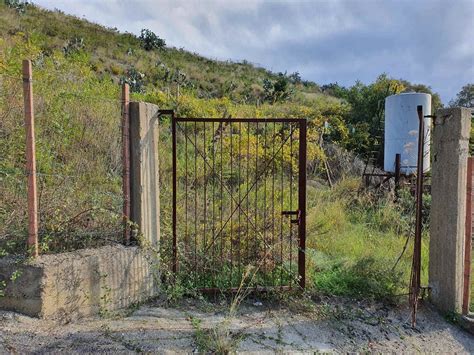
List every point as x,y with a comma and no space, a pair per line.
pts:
150,40
18,5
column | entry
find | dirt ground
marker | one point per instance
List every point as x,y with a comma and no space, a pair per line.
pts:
258,326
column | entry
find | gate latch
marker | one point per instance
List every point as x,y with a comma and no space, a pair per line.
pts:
293,213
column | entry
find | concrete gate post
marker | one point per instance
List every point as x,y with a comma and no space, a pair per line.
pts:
144,177
448,207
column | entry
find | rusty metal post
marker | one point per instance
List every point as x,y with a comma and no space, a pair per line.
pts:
30,158
397,173
416,268
468,239
126,161
174,198
302,205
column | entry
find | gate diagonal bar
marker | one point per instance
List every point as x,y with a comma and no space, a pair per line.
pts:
239,202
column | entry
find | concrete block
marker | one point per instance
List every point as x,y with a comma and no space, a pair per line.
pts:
145,196
448,207
82,283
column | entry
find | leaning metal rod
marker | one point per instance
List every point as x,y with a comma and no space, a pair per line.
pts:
415,281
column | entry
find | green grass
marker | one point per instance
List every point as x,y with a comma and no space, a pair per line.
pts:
354,242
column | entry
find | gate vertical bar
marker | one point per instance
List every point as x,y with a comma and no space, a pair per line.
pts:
30,158
174,198
291,204
195,202
302,205
468,240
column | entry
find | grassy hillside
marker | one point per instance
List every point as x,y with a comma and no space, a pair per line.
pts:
112,53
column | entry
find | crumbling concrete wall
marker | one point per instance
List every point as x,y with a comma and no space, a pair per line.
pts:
448,207
81,283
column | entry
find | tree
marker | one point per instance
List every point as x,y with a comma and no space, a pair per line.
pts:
333,89
278,90
465,97
435,98
150,40
18,5
295,78
366,117
135,79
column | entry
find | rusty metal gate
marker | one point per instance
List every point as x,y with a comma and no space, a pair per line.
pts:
239,202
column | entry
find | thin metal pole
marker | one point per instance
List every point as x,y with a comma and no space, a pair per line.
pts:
397,173
265,204
273,203
256,251
468,239
204,148
126,161
195,204
248,261
415,284
30,158
213,208
291,203
281,204
239,255
231,206
302,205
175,247
186,235
222,196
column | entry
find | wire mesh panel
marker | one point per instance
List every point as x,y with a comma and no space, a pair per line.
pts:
239,201
78,161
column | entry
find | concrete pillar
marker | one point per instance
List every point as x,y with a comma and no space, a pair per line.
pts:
144,176
448,207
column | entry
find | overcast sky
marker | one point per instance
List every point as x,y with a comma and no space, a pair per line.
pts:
424,41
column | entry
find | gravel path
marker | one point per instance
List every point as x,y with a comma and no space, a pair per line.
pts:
332,325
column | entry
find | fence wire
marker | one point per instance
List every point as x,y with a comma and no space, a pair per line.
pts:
79,166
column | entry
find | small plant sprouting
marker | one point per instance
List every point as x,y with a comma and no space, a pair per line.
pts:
105,298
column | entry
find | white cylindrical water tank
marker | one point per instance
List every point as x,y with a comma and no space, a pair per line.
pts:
401,131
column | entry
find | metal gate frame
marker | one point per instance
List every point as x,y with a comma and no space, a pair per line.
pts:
300,213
